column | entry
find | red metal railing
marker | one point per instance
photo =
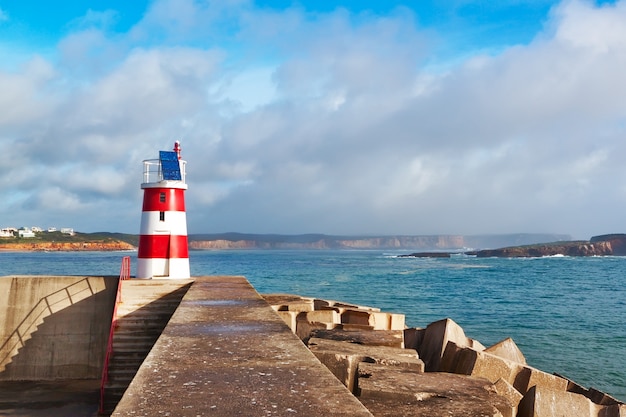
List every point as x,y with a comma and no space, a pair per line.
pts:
125,268
124,275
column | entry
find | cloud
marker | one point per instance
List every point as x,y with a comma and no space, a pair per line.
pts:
294,122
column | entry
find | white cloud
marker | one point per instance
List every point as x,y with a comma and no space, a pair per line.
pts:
293,122
249,89
24,98
582,24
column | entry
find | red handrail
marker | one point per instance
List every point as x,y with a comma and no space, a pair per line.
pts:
124,275
125,268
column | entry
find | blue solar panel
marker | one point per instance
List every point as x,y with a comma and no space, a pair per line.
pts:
170,166
168,156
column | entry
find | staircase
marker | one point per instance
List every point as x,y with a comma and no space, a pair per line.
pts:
144,309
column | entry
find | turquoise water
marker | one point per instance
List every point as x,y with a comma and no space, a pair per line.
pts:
566,314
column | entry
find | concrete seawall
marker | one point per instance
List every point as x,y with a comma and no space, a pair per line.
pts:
54,327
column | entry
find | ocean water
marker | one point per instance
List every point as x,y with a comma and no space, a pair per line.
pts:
567,315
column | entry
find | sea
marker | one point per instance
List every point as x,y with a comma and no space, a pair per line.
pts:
566,314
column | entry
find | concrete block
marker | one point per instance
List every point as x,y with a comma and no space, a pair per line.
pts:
392,392
353,306
386,321
506,390
380,321
305,328
530,377
321,316
320,304
593,394
361,317
413,337
507,349
436,337
574,387
542,402
391,338
301,306
450,359
600,397
467,361
342,358
356,327
475,344
289,302
398,321
289,317
615,410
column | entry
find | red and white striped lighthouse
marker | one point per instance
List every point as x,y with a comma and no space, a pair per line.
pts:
163,250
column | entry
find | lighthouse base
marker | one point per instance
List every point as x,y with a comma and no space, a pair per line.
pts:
156,268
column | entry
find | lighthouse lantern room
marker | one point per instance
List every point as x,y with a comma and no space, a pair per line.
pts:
163,250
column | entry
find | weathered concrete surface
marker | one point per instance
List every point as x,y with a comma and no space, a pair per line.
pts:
54,327
225,352
393,391
60,398
598,397
540,402
507,390
390,338
507,349
467,361
615,410
435,339
343,358
413,337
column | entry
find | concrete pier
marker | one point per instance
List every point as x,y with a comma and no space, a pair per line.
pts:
225,352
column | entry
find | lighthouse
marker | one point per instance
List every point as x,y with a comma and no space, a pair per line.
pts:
163,250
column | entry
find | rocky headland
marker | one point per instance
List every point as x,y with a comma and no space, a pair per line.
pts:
604,245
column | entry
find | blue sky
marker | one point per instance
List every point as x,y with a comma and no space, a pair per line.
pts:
422,117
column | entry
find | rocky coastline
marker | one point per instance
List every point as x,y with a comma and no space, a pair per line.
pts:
26,246
434,371
604,245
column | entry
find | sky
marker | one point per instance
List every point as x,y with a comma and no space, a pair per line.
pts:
345,118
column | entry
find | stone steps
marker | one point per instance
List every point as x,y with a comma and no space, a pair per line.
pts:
145,309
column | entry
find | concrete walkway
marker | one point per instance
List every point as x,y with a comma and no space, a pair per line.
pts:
225,352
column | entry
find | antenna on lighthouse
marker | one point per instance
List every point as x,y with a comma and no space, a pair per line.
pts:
163,248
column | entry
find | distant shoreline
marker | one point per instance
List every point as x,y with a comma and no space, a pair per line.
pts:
80,246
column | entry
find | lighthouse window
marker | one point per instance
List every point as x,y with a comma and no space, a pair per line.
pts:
162,216
162,197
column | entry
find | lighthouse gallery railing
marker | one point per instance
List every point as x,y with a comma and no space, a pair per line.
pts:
153,171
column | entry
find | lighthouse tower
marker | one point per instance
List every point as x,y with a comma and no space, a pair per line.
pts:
163,251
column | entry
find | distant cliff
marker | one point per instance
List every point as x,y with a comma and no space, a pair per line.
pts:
605,245
320,241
